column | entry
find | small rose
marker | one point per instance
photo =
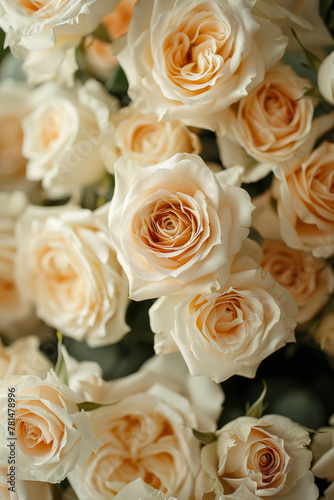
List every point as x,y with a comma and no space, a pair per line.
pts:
326,78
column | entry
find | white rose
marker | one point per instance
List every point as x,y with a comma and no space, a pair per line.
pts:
52,435
322,447
47,31
326,78
68,269
146,433
231,330
255,459
63,136
23,357
15,309
138,490
186,59
304,16
175,226
269,125
142,138
308,279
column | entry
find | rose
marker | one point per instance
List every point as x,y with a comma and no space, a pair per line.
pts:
145,432
63,135
118,20
228,331
68,269
52,435
305,202
138,490
322,447
305,277
258,458
326,78
174,226
47,33
188,59
15,310
304,16
143,139
270,124
23,357
324,334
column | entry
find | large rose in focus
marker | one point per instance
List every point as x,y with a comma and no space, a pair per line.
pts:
68,269
254,459
46,32
186,59
269,125
228,331
305,202
52,435
146,433
174,226
309,281
63,136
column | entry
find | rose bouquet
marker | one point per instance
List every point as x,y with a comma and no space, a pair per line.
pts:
167,247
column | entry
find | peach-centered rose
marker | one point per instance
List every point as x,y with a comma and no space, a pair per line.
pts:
270,124
255,459
146,433
305,203
68,269
309,281
52,435
118,20
187,59
229,331
173,225
142,138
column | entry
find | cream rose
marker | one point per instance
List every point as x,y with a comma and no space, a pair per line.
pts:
305,202
322,447
309,281
326,78
68,269
144,139
23,357
188,60
46,32
268,125
52,435
174,226
228,331
324,334
146,433
258,458
15,309
63,136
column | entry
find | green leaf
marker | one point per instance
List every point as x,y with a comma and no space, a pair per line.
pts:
257,408
312,59
313,92
60,368
118,82
89,405
204,437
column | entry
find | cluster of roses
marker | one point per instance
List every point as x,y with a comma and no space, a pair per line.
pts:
176,230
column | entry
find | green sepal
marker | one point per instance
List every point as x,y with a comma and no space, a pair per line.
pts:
204,437
60,368
90,406
102,34
313,60
118,82
257,408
